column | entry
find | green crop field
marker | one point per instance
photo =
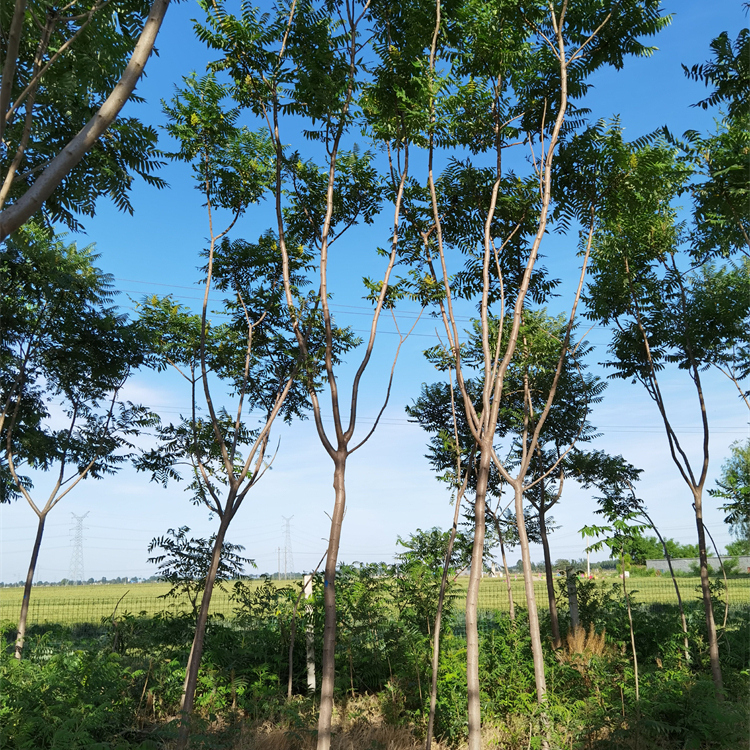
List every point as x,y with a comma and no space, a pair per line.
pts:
493,592
69,604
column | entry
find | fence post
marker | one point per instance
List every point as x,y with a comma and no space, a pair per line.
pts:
572,598
309,635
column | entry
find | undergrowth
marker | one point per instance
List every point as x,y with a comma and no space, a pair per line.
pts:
117,685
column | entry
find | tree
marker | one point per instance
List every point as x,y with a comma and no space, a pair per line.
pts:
658,310
60,93
255,354
734,488
63,343
184,563
527,383
720,188
524,89
642,548
429,549
567,424
413,77
302,67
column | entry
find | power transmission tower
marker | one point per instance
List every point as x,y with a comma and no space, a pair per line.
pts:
76,559
288,559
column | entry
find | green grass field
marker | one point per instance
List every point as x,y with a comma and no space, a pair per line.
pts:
69,604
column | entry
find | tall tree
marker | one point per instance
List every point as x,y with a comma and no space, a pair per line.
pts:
527,383
67,70
482,97
255,355
647,283
305,67
63,343
421,76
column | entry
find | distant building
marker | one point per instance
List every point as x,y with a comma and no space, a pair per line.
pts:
684,564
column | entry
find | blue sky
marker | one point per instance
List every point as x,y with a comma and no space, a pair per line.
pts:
391,490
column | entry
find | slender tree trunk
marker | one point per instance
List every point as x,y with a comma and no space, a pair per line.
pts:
713,643
472,601
507,574
630,623
528,582
196,651
27,587
329,601
548,574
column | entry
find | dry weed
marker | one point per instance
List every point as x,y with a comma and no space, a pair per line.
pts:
360,736
358,724
579,643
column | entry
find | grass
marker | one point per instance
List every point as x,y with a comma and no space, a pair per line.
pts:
493,593
69,604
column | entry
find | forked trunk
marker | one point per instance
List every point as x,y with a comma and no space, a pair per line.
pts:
329,601
472,600
196,651
554,620
528,583
27,587
713,644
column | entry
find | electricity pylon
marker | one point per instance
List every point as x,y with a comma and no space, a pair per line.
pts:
288,558
76,559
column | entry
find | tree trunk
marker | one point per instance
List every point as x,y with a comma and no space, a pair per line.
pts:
329,600
548,574
528,582
472,601
630,623
309,636
196,651
32,200
507,575
713,644
27,587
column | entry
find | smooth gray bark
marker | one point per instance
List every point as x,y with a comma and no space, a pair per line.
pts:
32,200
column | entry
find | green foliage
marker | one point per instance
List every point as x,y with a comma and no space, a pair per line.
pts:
734,488
429,548
68,700
64,343
184,563
642,548
230,163
68,94
101,684
738,547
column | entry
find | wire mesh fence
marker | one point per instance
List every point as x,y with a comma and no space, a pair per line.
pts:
86,604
